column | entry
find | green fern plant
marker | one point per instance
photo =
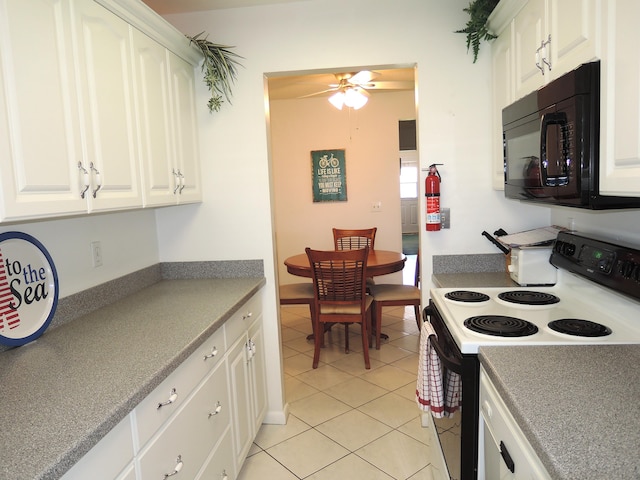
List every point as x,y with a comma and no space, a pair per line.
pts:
220,68
476,29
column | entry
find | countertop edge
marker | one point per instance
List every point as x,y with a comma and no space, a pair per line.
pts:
53,465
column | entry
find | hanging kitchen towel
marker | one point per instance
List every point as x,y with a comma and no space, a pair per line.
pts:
453,393
429,390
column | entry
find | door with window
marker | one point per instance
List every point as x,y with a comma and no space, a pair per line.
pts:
409,191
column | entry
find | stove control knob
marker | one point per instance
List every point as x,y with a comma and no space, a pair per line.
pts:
628,268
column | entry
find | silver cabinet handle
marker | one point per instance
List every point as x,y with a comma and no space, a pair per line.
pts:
98,178
181,178
176,176
217,410
177,469
85,176
214,352
224,475
247,316
173,395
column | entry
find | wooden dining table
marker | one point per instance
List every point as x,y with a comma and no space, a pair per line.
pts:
379,262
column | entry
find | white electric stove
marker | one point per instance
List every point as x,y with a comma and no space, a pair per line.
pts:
596,301
591,314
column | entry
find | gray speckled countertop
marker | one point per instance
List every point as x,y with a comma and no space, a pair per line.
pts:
63,392
579,406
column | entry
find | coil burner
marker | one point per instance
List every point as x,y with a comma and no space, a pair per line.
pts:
579,328
500,326
528,297
466,296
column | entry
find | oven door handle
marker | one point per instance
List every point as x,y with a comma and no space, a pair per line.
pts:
452,363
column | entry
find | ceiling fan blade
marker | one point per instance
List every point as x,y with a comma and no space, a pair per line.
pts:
398,85
318,93
364,76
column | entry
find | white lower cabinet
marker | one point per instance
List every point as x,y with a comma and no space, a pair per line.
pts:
108,461
200,422
247,381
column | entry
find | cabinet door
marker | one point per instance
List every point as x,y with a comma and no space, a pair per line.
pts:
240,386
529,27
185,130
106,79
257,374
40,143
502,94
153,106
574,36
620,101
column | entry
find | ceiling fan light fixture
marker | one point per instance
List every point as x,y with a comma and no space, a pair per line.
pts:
337,100
355,98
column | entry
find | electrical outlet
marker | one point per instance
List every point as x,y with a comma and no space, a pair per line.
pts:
376,206
445,218
96,254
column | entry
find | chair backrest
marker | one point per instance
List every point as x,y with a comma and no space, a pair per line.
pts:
344,239
339,281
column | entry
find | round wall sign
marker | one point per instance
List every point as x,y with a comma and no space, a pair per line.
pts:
28,288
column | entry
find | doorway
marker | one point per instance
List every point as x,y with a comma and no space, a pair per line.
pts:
301,123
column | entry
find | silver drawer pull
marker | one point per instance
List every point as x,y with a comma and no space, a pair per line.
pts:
175,470
214,352
172,398
216,411
247,315
224,475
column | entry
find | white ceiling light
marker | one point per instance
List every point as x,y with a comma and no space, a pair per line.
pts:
353,97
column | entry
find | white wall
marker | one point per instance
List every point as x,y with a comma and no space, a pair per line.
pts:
128,243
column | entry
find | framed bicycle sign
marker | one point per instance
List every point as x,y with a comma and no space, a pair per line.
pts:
329,175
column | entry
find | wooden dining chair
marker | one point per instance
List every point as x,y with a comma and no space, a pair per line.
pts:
344,239
393,295
298,294
340,295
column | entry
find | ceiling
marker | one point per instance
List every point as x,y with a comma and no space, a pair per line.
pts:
306,84
164,7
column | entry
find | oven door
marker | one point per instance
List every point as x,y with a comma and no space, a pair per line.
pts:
458,435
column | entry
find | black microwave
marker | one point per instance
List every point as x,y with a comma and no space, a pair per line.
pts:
551,141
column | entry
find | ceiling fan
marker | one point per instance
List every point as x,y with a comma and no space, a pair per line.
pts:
351,88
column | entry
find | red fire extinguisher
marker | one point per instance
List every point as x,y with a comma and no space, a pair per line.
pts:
432,194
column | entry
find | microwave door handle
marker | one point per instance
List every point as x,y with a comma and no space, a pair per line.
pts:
553,118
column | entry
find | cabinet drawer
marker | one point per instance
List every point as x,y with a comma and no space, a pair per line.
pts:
191,434
150,417
220,462
237,325
108,458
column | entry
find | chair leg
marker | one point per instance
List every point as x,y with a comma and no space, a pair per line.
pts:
416,309
378,320
365,341
318,333
346,338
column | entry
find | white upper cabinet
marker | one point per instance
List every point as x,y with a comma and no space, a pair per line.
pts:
72,137
553,37
108,112
183,116
167,119
40,142
620,100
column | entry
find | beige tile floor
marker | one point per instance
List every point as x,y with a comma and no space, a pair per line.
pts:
345,421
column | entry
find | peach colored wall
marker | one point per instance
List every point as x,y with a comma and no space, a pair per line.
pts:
370,138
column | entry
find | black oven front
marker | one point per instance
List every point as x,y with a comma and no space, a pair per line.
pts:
458,435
